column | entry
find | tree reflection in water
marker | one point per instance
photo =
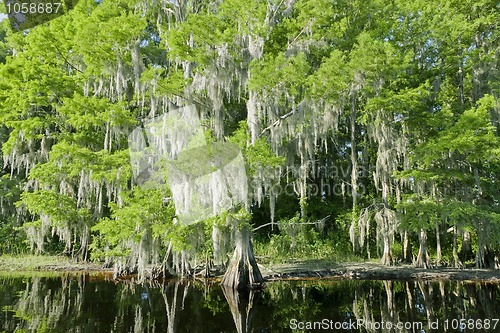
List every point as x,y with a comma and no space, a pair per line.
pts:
425,302
86,303
241,304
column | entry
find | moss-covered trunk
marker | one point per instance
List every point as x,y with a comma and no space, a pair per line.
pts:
243,272
423,259
407,255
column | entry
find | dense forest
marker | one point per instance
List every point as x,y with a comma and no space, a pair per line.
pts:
368,129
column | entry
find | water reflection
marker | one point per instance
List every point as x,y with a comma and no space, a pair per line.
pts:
241,304
92,304
420,306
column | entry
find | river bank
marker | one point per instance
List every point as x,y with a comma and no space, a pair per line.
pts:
322,269
308,269
26,263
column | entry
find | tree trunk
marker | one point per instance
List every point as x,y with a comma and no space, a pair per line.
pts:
221,245
466,249
439,258
387,256
354,156
354,172
241,304
482,259
389,290
164,270
407,255
410,307
423,259
243,272
426,292
461,79
170,295
456,260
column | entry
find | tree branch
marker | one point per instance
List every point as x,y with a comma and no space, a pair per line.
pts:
322,221
277,121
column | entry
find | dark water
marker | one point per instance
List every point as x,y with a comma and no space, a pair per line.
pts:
86,303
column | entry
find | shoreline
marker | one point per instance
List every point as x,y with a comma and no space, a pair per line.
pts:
375,271
41,263
300,270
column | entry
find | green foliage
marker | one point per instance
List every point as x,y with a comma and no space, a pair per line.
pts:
258,155
280,72
298,241
406,92
4,51
330,81
419,213
13,237
472,136
142,211
306,245
59,207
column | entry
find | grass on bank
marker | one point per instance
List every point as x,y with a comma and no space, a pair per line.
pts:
28,262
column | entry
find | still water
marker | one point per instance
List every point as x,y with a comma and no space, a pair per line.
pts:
91,303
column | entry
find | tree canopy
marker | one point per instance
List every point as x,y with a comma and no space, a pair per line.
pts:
365,126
